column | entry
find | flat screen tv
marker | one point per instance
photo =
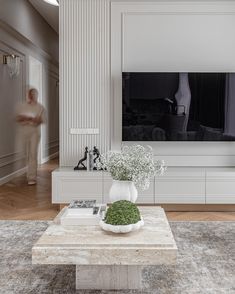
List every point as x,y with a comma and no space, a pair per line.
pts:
195,106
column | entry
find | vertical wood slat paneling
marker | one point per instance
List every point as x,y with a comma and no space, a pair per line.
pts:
84,76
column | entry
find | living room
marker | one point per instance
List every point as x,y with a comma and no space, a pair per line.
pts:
143,125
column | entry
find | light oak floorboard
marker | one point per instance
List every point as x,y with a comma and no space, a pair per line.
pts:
201,216
18,201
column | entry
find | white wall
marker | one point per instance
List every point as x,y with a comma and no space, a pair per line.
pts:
176,37
175,40
14,90
154,36
84,76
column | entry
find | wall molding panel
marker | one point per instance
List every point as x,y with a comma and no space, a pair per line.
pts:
11,176
85,96
172,36
12,92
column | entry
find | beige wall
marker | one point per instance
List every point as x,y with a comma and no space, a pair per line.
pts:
22,17
11,92
25,33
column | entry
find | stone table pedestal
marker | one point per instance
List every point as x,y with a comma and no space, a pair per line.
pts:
108,277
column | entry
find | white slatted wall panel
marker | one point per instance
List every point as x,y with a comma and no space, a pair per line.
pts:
84,76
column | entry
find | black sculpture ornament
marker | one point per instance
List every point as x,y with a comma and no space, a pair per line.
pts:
80,165
96,154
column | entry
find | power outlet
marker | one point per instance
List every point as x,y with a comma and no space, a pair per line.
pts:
87,131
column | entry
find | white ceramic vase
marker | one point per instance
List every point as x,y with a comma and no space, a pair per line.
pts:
123,190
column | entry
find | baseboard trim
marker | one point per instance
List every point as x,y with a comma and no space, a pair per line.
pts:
23,170
52,156
11,176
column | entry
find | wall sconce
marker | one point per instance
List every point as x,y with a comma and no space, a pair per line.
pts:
13,64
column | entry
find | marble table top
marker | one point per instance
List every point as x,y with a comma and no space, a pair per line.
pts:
89,245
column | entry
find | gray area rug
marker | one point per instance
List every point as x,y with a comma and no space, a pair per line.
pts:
206,262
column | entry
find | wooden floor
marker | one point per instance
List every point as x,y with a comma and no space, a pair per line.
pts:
18,201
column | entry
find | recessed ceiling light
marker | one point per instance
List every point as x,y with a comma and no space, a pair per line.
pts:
52,2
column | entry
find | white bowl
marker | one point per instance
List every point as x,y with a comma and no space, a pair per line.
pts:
123,228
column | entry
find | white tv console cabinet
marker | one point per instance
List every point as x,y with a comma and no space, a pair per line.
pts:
179,185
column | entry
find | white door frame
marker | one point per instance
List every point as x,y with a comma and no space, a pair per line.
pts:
36,81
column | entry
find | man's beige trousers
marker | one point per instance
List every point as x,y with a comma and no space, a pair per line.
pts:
28,140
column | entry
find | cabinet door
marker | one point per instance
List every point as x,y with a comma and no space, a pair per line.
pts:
77,185
144,197
180,185
220,186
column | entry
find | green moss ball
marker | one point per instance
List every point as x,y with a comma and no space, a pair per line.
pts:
122,212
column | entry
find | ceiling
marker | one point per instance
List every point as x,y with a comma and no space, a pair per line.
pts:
49,12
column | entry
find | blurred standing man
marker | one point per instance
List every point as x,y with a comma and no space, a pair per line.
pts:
30,115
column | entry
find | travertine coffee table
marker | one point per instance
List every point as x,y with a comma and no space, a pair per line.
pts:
105,260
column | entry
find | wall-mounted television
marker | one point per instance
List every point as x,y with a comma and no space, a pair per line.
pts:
178,106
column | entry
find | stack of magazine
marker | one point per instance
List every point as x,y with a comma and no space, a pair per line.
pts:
83,213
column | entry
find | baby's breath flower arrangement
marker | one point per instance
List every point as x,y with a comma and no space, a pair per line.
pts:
133,163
